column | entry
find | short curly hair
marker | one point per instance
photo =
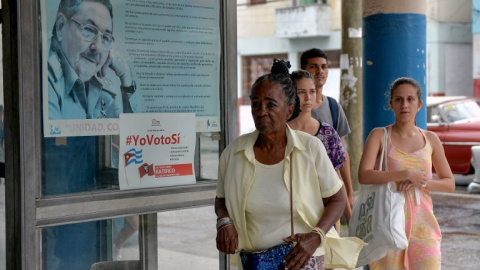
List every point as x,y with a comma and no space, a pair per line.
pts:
311,53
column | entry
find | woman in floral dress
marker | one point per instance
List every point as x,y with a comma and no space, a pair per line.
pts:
411,152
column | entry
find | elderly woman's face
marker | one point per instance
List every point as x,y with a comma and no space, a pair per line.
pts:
269,109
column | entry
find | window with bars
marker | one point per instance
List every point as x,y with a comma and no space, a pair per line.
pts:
254,67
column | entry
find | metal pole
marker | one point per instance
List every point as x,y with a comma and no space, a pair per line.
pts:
351,81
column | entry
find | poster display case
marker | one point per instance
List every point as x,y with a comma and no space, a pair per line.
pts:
74,70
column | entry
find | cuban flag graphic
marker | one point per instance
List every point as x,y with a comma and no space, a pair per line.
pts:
133,156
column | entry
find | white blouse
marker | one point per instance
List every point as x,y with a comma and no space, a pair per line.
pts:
268,208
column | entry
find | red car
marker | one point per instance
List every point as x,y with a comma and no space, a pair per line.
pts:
456,121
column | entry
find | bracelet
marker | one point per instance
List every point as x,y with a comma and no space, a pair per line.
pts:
224,226
320,232
224,221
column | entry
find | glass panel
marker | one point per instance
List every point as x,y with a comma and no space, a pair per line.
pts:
209,153
78,164
76,99
125,238
87,163
74,164
186,239
78,246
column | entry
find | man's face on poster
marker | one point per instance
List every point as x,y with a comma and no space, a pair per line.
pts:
85,57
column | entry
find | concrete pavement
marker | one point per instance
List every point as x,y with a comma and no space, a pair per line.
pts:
186,231
191,235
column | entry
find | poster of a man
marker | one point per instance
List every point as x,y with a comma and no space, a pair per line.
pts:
102,58
81,52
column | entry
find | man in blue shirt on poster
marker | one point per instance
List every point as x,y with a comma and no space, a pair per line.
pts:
81,51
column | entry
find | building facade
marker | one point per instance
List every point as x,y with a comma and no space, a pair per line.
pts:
283,29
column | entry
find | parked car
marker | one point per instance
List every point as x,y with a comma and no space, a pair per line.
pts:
456,121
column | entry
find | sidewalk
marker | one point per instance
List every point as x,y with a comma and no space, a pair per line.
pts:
187,237
186,240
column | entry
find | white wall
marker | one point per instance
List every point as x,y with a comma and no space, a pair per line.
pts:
449,11
458,69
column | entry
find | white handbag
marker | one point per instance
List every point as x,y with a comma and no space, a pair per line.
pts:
378,217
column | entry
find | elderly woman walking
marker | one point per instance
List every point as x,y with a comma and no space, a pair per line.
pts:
255,170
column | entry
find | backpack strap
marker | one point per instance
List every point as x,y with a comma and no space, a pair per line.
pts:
333,111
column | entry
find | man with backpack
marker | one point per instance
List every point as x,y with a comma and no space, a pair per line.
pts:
327,109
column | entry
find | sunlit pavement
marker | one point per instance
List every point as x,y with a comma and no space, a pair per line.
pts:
459,217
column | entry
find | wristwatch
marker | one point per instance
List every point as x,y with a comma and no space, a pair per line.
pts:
129,89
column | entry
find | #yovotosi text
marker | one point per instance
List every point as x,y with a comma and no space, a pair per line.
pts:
152,139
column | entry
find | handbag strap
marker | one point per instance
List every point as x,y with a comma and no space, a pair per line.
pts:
291,196
384,150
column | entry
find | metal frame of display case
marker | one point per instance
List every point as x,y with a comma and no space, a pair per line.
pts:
27,211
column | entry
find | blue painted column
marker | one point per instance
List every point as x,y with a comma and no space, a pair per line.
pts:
394,45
